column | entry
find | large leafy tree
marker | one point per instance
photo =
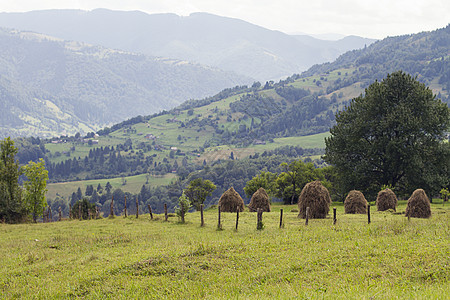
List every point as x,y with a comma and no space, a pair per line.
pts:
12,208
197,191
391,135
265,180
35,187
291,182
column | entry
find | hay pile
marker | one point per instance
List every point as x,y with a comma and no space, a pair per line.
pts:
355,203
386,199
230,201
260,199
315,196
418,205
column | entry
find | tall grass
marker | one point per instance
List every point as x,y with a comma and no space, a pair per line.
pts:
139,258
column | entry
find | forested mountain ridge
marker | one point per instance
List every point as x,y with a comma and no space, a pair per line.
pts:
425,55
227,43
50,86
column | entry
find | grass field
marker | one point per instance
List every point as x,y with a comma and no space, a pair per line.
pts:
224,151
129,258
134,184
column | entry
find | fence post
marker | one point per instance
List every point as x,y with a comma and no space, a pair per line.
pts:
334,216
137,208
281,218
237,218
368,214
202,221
219,225
60,214
79,211
43,215
111,209
50,216
259,225
307,216
166,216
150,211
125,209
70,211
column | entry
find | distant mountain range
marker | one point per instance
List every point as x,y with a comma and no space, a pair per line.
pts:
49,86
226,43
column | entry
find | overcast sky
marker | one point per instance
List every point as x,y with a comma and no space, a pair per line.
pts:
368,18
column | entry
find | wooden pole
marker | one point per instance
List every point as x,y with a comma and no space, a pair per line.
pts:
259,225
125,209
79,210
97,212
111,209
50,216
202,220
334,216
237,218
281,218
60,214
307,216
166,216
368,214
43,215
219,225
137,208
70,211
150,211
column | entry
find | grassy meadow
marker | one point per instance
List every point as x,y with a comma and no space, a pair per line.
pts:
129,258
133,184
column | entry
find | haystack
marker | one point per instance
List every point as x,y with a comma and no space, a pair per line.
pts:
386,199
418,205
231,201
355,203
260,199
315,196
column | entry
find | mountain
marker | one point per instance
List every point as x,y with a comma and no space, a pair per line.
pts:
50,86
425,55
225,43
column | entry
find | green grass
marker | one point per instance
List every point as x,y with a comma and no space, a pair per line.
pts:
224,151
133,185
137,258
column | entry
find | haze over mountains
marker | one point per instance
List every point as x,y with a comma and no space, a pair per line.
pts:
50,86
226,43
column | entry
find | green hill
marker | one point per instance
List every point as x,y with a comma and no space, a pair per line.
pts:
49,87
289,118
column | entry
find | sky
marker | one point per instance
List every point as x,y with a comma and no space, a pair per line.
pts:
367,18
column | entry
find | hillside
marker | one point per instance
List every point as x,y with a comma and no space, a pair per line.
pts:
225,43
425,55
50,86
243,120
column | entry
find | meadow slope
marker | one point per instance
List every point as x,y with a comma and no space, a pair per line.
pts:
124,258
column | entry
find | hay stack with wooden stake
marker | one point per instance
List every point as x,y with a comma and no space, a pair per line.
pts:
355,203
418,205
315,196
231,201
386,199
260,199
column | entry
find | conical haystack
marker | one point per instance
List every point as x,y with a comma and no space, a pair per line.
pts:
355,203
418,205
231,201
315,196
260,199
386,199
